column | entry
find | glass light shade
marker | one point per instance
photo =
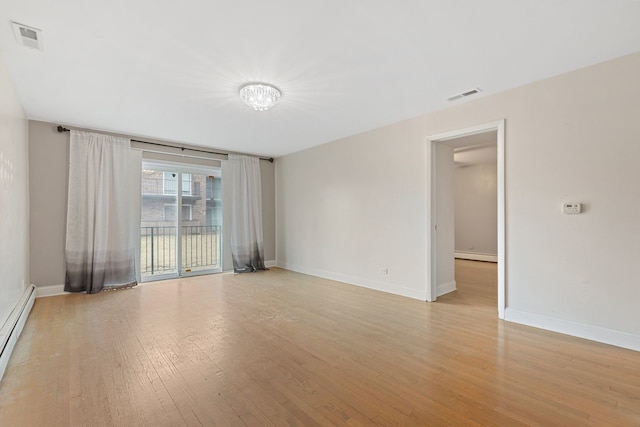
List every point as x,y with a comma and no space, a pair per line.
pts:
260,96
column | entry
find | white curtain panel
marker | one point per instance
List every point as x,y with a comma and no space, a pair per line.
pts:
241,179
102,213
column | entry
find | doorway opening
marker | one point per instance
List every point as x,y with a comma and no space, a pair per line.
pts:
477,141
180,221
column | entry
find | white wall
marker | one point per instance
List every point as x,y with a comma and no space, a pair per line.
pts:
14,197
349,207
476,200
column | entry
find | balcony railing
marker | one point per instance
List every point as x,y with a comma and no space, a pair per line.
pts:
158,249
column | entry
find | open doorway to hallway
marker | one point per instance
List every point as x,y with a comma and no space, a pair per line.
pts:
475,181
476,285
467,210
475,193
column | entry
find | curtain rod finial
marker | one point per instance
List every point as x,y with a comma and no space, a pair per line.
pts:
62,129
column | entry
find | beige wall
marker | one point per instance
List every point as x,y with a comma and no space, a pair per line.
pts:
14,197
348,208
476,211
48,176
49,163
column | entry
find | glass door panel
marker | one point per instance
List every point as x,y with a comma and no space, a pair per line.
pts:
201,223
158,224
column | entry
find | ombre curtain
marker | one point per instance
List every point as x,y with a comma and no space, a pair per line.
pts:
103,219
241,179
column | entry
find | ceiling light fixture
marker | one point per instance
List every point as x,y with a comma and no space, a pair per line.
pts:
260,96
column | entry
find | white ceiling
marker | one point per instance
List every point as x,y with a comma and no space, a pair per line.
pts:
463,143
476,155
474,149
171,70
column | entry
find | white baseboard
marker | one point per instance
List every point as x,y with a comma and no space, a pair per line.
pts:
445,288
13,326
581,330
50,291
476,257
419,294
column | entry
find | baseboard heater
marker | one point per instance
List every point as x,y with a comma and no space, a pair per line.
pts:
13,326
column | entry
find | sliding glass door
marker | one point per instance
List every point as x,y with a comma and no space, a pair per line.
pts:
201,223
181,221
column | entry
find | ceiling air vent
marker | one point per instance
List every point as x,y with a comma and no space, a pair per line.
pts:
27,36
464,94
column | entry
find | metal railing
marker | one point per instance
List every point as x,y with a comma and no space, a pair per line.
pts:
200,245
158,248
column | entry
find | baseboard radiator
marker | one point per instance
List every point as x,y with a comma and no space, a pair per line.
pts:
13,326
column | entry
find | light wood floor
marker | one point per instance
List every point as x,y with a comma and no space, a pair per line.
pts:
281,348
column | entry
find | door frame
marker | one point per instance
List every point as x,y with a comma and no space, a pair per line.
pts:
499,127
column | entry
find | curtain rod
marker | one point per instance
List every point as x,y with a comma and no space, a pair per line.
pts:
270,159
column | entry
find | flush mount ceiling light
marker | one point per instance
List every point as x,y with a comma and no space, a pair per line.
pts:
260,96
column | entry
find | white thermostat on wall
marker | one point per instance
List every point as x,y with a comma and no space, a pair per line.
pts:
571,208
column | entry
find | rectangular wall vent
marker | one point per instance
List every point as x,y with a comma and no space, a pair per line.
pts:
464,94
27,36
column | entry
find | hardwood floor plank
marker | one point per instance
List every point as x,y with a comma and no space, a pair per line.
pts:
280,348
